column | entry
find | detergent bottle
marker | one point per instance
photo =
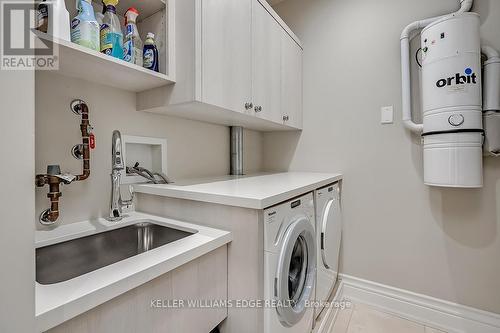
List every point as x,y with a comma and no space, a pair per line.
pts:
42,16
111,32
132,47
150,54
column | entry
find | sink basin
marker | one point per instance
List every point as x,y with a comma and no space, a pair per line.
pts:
67,260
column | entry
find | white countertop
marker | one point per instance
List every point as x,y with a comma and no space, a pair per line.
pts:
255,192
59,302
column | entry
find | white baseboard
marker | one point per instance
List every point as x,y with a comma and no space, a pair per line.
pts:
429,311
325,325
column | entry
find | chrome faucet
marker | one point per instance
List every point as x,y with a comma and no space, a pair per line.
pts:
117,166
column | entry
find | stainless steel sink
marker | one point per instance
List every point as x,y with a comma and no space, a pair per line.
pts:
67,260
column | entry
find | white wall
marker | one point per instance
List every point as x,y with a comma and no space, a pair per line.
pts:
195,149
17,202
440,242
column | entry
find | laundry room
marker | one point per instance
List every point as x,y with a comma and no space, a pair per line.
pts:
250,166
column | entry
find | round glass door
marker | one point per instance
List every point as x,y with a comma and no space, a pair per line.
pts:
296,271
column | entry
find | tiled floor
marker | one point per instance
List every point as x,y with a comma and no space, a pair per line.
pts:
364,319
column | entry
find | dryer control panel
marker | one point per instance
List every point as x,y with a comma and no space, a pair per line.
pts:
278,218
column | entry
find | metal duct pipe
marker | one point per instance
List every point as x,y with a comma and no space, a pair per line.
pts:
491,79
236,150
491,101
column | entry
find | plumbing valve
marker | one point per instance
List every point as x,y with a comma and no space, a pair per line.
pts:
54,178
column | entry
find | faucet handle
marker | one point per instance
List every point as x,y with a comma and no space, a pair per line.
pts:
67,178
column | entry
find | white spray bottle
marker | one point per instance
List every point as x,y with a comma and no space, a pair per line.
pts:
59,23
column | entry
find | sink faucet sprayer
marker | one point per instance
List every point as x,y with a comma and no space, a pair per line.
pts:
117,166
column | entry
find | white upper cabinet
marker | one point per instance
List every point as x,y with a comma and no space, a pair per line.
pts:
226,53
291,81
266,65
237,64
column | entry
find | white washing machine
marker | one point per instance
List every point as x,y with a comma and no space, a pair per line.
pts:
328,237
289,266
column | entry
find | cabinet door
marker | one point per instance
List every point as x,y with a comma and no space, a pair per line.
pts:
291,81
266,68
226,53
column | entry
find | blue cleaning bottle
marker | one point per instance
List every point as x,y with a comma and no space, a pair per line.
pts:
150,54
111,32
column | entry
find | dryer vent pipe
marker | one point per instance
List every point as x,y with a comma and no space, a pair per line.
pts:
236,150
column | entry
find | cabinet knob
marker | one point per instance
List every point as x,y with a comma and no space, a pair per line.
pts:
258,108
286,118
248,105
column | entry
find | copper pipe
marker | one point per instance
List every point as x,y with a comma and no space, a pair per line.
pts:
52,214
84,128
53,178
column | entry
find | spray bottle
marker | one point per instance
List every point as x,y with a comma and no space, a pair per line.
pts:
132,48
59,25
111,32
84,27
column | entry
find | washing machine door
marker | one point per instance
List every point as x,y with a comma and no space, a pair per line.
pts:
330,236
295,276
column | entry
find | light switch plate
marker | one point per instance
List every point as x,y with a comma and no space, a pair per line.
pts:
387,114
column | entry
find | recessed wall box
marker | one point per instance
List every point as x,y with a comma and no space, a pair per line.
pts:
151,153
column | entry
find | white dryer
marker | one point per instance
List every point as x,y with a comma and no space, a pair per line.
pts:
289,266
328,237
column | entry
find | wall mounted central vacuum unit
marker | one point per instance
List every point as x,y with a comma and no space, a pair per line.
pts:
452,99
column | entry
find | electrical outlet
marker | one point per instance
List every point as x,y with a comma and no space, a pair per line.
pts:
387,114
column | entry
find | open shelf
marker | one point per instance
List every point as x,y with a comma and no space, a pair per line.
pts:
80,62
